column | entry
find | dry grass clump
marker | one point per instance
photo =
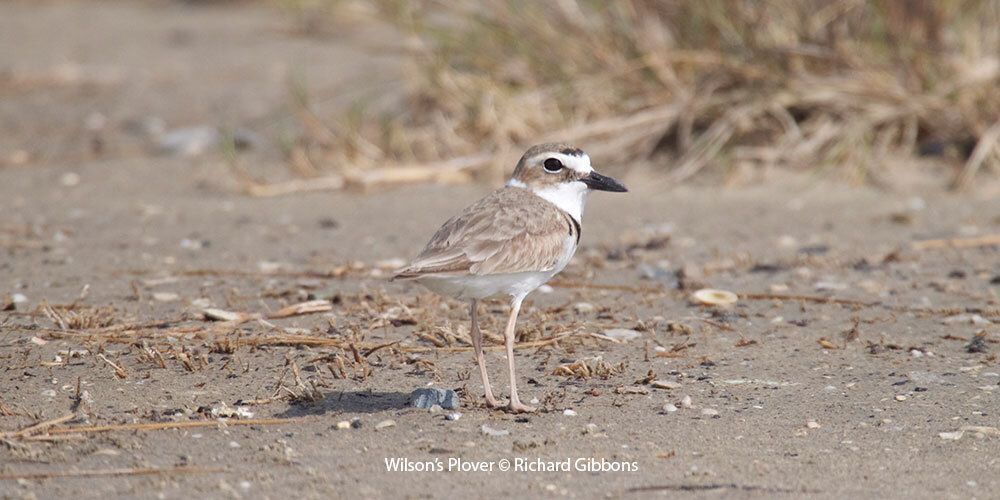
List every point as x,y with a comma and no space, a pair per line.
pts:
689,84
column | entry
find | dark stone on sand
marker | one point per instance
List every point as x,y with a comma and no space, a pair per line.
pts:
428,397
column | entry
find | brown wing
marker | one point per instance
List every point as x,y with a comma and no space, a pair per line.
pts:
511,230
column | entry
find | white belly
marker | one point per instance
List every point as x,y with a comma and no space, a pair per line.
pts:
483,286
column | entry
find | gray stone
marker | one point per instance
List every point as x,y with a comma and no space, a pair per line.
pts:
427,397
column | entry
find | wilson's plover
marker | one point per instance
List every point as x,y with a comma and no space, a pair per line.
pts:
512,241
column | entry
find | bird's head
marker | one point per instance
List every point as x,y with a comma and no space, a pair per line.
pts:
561,174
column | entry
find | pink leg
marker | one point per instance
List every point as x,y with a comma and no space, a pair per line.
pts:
516,406
477,344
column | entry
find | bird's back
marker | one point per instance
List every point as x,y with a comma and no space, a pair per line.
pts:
511,230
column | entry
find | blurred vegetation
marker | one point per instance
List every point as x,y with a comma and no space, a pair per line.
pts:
694,86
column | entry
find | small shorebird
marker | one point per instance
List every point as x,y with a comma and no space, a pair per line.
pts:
511,242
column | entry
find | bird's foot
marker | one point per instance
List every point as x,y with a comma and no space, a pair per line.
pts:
491,402
516,406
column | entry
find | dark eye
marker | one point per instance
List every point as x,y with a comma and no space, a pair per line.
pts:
553,165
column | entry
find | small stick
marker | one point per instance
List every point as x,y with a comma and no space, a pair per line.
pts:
594,286
138,471
805,298
370,351
937,244
119,371
27,431
172,425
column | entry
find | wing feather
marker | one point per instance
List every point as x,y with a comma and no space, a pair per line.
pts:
511,230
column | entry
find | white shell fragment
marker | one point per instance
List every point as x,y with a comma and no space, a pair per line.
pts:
713,297
622,334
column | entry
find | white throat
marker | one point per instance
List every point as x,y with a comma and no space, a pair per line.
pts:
569,196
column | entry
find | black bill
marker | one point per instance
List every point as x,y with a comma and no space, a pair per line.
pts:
599,182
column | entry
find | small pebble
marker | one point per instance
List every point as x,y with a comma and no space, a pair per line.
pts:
70,179
49,393
669,408
190,141
686,401
584,307
900,397
951,436
830,286
385,424
165,296
356,423
812,424
665,384
709,412
453,416
569,413
490,431
428,397
621,334
343,425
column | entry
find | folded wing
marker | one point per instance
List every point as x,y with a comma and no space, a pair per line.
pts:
512,230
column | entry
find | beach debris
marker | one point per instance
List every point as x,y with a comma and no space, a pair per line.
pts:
621,334
973,319
587,367
978,430
665,384
490,431
222,410
427,397
978,343
385,424
188,141
830,286
631,390
713,297
165,296
343,425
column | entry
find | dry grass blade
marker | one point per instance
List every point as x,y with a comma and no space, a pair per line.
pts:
119,371
39,427
157,426
939,244
838,83
806,298
137,471
310,307
987,145
295,186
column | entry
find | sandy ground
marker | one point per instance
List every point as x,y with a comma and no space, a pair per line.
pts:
786,397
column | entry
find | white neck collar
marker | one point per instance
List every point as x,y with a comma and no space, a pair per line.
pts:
568,196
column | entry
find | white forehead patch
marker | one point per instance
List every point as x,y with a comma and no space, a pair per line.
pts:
578,163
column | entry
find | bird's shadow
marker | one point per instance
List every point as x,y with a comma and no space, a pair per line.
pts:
350,402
